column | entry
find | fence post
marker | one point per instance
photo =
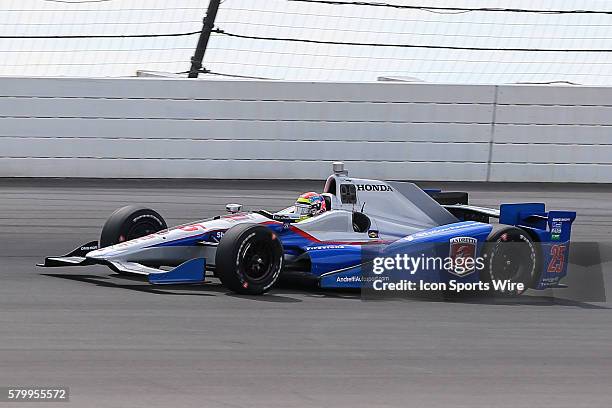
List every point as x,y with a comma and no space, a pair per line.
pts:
207,27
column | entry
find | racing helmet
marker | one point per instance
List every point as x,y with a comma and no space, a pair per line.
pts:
309,204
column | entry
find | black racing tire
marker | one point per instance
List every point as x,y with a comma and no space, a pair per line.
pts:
510,254
130,222
249,259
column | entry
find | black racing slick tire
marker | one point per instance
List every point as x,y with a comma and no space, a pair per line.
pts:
249,259
511,256
130,222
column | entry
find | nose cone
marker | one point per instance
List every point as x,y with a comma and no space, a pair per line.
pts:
97,254
128,247
108,252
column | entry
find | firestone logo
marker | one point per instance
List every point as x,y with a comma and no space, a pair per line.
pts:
317,248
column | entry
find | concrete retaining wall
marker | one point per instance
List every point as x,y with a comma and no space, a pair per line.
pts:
258,129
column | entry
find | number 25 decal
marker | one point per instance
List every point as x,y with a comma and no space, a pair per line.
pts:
557,258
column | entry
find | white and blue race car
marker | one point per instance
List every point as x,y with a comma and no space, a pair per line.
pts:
365,221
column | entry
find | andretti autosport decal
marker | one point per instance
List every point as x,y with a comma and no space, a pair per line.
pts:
462,249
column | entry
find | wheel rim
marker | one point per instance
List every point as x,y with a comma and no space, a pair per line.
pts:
508,261
257,261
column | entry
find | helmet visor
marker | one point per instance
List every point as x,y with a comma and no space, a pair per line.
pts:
302,209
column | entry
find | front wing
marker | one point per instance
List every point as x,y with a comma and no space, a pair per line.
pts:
191,271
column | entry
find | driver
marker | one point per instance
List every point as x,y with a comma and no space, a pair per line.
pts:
309,204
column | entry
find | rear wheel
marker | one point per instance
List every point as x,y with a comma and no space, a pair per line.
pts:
129,223
249,259
512,257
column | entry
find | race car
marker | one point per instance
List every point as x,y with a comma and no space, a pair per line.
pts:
339,237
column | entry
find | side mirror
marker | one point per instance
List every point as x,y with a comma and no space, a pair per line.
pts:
233,208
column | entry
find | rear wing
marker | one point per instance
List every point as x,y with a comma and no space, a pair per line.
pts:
462,210
529,215
535,216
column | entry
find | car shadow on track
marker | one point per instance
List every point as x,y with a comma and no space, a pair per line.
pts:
286,290
210,288
528,300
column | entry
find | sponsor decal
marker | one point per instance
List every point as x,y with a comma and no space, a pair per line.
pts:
561,219
553,280
317,248
140,217
556,226
462,250
192,227
89,248
435,231
373,187
373,233
357,278
217,235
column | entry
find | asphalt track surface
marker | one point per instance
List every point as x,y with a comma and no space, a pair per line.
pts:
119,342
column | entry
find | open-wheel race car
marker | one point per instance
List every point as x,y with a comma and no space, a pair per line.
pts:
335,236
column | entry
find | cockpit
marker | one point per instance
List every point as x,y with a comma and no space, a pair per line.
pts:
385,209
307,205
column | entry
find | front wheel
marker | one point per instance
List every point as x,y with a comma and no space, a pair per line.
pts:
130,222
249,259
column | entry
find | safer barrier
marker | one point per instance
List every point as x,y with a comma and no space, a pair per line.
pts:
178,128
